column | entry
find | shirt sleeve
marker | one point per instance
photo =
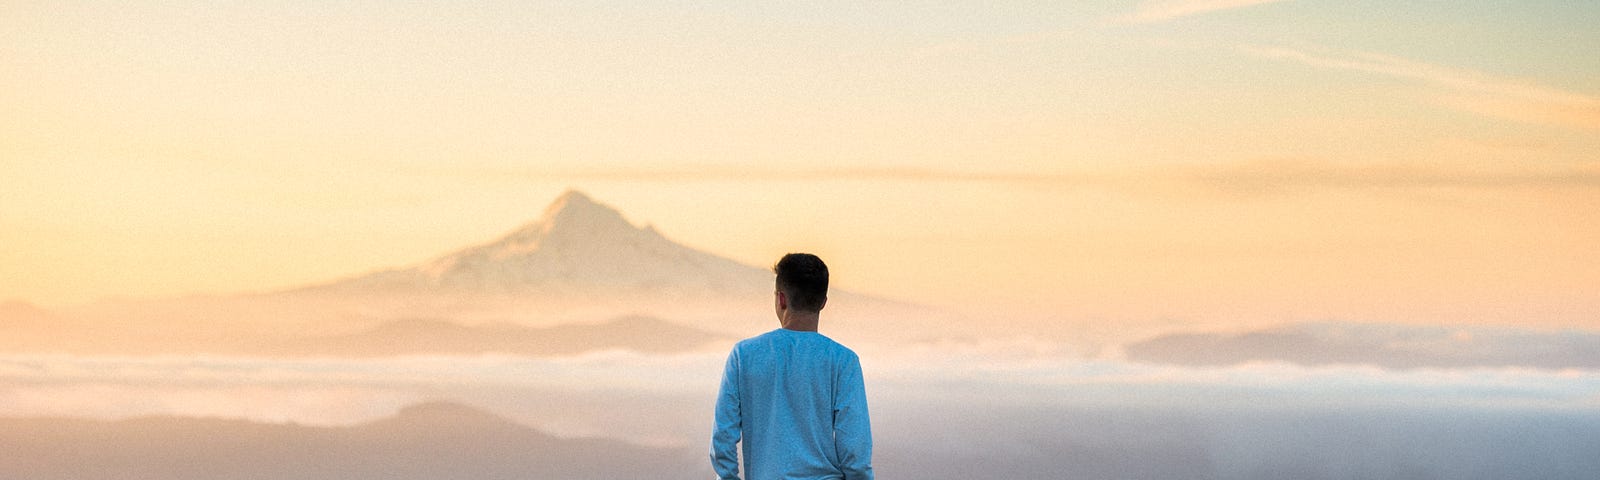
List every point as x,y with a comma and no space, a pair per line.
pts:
724,440
852,430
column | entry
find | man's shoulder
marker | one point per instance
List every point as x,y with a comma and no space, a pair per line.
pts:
827,344
846,352
835,348
750,343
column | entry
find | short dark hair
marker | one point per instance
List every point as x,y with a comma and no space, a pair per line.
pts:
804,279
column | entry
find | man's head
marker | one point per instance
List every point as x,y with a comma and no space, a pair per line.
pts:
802,282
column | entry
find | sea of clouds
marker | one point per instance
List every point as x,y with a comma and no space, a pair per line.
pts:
1014,409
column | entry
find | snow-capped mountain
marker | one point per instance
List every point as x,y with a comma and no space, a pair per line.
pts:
580,265
577,246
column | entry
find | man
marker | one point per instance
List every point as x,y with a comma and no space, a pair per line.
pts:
793,397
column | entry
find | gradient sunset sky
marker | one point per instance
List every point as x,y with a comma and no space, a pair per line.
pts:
1207,161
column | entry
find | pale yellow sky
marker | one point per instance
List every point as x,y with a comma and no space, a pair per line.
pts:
1204,161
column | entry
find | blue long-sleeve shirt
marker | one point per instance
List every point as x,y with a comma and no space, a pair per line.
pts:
797,402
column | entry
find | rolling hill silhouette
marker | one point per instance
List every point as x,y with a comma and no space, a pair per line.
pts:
428,441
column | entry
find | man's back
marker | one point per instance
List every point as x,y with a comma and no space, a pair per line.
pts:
798,403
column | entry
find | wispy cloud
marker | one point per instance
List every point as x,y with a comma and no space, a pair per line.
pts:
914,174
1253,175
745,173
1464,90
1286,174
1162,11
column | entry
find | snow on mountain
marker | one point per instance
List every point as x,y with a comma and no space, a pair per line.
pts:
577,246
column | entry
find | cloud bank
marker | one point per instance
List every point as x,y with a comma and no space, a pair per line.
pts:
1388,346
937,414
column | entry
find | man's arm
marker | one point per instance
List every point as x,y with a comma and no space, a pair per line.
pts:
852,430
725,439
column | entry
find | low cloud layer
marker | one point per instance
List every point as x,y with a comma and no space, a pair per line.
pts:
939,413
1383,345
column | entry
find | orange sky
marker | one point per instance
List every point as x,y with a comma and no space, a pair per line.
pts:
1175,161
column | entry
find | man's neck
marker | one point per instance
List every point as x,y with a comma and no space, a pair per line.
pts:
800,321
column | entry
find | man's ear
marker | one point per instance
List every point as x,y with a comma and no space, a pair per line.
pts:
783,300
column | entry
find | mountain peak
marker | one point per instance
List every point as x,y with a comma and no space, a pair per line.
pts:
577,245
574,210
572,221
572,195
573,200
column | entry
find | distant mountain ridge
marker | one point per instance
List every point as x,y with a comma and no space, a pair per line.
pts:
577,245
427,441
